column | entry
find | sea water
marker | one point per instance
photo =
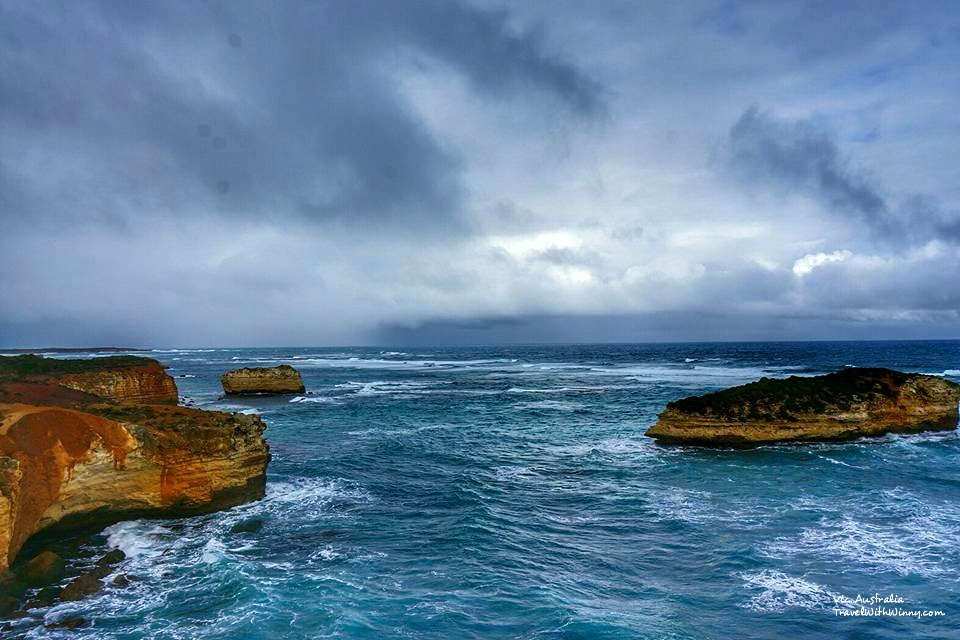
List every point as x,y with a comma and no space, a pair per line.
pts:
510,492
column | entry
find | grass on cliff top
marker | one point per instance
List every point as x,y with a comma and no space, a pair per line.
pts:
174,419
31,365
785,399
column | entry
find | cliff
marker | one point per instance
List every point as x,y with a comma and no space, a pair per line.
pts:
69,458
114,378
845,405
276,380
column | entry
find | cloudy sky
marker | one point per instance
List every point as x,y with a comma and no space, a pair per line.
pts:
319,172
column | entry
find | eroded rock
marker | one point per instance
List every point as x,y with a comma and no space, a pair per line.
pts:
81,587
283,379
845,405
73,622
113,378
82,461
44,568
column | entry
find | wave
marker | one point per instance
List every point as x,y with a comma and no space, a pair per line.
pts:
315,399
183,350
576,389
779,591
138,538
555,405
893,531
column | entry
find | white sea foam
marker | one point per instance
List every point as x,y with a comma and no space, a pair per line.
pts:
555,405
684,504
213,551
315,399
779,591
573,389
385,387
311,497
138,538
397,432
891,530
325,553
355,362
953,373
840,462
183,350
615,446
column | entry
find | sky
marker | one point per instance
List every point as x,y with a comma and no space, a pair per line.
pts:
226,173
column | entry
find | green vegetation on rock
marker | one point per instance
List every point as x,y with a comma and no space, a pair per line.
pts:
786,399
31,365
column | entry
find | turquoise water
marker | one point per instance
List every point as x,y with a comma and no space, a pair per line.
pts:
510,493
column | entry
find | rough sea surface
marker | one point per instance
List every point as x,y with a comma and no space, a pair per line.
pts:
509,492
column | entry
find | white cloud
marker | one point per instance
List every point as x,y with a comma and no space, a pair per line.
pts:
811,261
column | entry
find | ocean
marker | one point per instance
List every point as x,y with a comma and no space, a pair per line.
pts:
509,492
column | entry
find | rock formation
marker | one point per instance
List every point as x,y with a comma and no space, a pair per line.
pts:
73,456
113,378
845,405
273,380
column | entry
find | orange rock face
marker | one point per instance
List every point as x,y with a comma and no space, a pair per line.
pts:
115,378
146,384
81,461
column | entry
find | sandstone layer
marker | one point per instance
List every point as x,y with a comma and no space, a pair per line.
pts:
70,458
845,405
114,378
269,380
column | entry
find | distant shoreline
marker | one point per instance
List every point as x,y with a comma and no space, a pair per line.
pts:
74,350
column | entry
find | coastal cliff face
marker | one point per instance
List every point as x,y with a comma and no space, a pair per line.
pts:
146,384
277,380
69,459
845,405
115,378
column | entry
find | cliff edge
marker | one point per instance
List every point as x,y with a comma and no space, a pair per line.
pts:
113,378
85,442
844,405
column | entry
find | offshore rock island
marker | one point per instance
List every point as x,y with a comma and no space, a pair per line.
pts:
279,380
92,442
844,405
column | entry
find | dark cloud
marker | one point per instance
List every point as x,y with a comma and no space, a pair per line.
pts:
667,326
797,155
245,109
324,172
800,156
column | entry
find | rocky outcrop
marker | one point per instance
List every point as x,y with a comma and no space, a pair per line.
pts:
845,405
270,380
114,378
80,461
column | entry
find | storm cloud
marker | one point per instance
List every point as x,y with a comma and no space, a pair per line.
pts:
117,110
240,173
799,156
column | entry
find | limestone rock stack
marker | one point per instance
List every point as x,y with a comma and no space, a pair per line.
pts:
844,405
266,380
